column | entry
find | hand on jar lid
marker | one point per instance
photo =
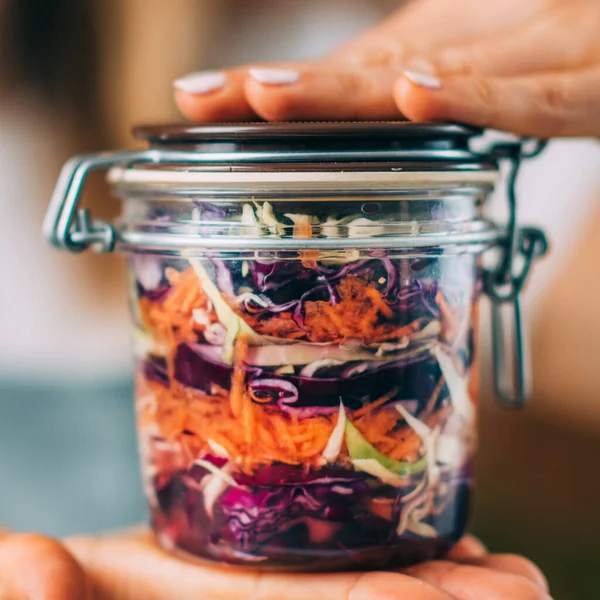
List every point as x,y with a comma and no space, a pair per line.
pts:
532,69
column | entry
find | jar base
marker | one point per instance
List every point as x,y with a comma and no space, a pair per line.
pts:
404,554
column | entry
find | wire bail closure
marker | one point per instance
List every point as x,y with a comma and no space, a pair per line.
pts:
504,284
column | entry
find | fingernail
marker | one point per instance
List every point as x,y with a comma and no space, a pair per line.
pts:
423,80
275,76
202,82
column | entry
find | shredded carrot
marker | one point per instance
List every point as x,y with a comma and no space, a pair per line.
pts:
281,326
361,313
258,434
248,418
373,405
237,381
171,320
378,302
474,370
435,395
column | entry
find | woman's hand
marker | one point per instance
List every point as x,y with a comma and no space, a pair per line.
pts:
532,68
131,566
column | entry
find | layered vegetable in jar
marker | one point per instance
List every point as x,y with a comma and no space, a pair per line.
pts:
301,409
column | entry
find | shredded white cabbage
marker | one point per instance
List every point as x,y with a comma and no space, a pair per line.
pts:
310,369
300,220
144,344
300,353
450,450
387,347
458,386
362,227
267,216
215,334
250,222
217,449
428,437
200,316
422,529
216,471
228,345
148,270
331,228
248,216
334,444
242,298
373,467
213,487
223,310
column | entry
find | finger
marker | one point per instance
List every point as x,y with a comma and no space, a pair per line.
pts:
510,563
323,92
545,106
123,569
467,547
465,582
212,96
33,567
540,45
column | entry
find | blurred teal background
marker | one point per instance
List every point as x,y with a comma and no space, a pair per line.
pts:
69,460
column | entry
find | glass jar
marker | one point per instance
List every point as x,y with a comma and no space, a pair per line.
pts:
305,301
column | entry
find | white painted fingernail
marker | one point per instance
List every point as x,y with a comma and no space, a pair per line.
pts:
423,80
275,76
202,82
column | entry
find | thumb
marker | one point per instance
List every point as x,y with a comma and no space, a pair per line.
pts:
33,567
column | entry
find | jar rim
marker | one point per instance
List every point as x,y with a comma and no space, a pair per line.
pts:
131,178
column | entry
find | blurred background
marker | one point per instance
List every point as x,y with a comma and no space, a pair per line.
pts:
74,76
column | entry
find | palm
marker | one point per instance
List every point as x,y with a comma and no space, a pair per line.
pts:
132,566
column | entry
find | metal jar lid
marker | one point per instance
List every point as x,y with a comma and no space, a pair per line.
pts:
316,156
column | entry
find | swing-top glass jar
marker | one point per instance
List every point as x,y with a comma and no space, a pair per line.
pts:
305,301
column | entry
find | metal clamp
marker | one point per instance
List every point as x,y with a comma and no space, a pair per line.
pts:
70,228
504,284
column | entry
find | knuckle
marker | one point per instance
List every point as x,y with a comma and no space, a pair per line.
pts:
378,57
483,91
454,62
486,100
388,52
526,567
552,98
384,586
523,589
352,83
278,107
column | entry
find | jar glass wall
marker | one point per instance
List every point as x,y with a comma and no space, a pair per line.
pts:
306,409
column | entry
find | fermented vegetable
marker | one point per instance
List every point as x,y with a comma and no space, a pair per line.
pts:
296,410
